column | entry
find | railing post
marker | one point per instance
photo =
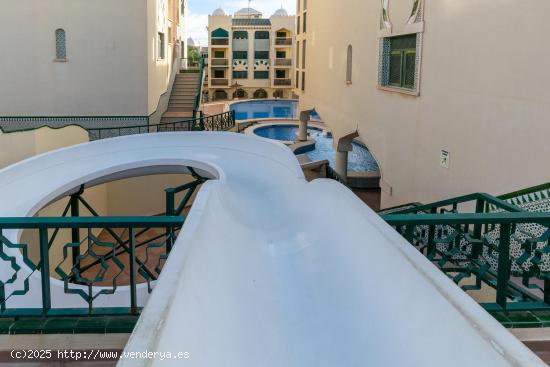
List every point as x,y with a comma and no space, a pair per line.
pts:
132,255
409,233
170,211
2,288
503,273
431,238
75,232
477,248
45,270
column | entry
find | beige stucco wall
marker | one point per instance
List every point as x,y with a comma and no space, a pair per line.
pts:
106,68
483,94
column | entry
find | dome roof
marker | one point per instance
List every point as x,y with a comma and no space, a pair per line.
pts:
248,11
191,42
281,13
218,12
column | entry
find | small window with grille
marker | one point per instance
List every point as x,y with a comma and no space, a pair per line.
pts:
399,62
60,45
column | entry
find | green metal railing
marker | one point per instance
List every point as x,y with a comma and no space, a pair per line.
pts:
77,279
198,95
92,254
220,122
508,250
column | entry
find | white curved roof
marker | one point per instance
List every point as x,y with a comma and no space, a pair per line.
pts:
248,11
219,12
281,13
190,41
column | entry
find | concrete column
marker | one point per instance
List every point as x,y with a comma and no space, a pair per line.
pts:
342,164
342,147
302,131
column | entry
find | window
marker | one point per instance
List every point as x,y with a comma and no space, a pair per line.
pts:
240,75
240,35
219,74
298,54
240,55
297,81
298,25
304,54
280,74
399,62
261,55
60,45
281,34
220,33
281,55
303,81
161,51
305,23
349,64
260,93
240,93
261,75
261,35
219,54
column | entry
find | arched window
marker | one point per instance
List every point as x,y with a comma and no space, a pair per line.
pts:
220,33
260,94
240,93
220,95
60,44
349,65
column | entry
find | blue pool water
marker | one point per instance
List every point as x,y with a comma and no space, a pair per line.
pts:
359,160
271,108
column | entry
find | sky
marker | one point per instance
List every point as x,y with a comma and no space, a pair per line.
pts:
198,11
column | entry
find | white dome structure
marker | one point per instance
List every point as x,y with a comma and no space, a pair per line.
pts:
191,42
219,13
281,13
248,13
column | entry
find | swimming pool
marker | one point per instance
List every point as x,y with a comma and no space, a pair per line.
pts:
359,159
267,108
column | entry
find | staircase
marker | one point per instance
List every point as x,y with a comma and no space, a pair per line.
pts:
182,99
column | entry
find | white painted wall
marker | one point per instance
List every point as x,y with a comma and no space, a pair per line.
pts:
484,94
105,72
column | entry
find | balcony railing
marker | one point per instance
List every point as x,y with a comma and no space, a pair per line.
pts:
220,41
283,62
287,41
220,62
282,82
499,245
219,82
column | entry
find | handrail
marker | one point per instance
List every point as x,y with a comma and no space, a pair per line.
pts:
198,95
197,124
463,199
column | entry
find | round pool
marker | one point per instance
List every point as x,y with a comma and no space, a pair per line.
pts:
359,159
267,108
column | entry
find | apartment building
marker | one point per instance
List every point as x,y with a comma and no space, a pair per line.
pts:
250,56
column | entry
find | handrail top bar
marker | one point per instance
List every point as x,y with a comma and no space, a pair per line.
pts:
161,124
89,222
468,218
465,198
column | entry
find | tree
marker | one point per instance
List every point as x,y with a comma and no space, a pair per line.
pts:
193,52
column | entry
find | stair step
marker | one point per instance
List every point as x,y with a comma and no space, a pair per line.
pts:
179,109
